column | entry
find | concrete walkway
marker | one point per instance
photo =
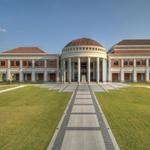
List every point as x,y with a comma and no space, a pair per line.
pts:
83,127
13,88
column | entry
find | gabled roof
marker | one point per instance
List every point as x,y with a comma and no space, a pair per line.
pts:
134,42
25,50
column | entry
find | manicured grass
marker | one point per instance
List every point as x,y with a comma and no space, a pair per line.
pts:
140,84
29,116
128,113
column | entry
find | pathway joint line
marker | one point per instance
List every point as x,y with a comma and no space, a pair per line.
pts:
83,128
109,139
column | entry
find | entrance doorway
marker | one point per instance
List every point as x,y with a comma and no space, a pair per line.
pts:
84,71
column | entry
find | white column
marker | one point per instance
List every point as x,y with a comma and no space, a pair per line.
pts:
45,71
122,70
97,69
73,71
57,73
147,70
94,71
33,70
45,76
134,71
89,71
8,71
109,70
104,72
69,65
64,70
78,69
20,72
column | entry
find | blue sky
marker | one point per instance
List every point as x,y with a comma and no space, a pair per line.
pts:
51,24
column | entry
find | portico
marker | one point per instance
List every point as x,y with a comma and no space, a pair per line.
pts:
82,69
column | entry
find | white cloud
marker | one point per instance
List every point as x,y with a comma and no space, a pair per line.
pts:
3,29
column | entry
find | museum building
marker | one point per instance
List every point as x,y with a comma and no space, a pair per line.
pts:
82,60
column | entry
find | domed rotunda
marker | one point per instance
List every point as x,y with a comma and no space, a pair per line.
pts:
84,60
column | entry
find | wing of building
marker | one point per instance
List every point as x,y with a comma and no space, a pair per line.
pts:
81,60
129,61
28,64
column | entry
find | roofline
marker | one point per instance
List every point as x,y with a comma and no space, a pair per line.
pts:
7,51
131,45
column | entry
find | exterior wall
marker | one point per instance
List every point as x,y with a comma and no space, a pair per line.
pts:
132,68
124,64
29,68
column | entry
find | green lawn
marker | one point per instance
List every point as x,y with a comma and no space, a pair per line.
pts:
140,84
128,113
29,116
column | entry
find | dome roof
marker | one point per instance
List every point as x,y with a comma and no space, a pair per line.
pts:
83,42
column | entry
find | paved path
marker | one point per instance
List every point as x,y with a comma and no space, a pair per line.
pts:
13,88
83,127
66,87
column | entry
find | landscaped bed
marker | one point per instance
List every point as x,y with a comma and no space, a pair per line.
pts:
128,113
29,116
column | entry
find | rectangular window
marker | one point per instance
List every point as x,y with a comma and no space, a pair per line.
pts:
116,63
17,63
30,63
12,63
125,62
143,62
2,63
39,63
24,63
131,62
138,62
52,63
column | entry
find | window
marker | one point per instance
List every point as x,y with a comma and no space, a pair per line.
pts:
39,63
24,63
131,62
125,62
116,63
17,63
138,62
29,63
91,65
2,63
52,63
12,63
143,62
